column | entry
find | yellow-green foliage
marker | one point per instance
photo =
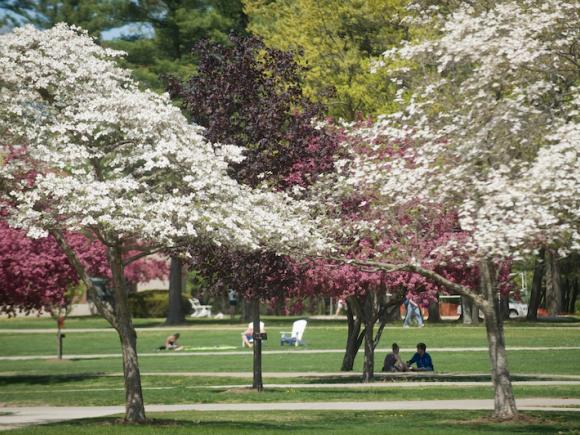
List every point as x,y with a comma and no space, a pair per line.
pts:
338,41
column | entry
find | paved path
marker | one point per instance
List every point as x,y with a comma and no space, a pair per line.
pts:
321,375
218,327
19,416
273,352
373,385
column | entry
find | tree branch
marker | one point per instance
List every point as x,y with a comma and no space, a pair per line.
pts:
138,256
431,275
84,277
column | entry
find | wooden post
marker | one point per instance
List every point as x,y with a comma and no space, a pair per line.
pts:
59,336
257,384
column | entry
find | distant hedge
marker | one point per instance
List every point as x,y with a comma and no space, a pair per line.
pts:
154,303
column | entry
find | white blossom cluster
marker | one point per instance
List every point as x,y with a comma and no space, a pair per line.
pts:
122,162
492,118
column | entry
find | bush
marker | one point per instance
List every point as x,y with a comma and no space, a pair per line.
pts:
154,303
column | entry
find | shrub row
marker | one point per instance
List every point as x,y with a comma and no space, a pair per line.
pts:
154,303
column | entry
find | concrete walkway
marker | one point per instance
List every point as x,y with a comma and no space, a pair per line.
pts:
273,352
20,416
240,327
374,385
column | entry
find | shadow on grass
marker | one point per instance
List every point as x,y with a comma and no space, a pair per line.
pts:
436,422
7,381
570,319
418,378
199,424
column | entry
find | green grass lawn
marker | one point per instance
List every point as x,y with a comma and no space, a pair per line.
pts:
315,422
552,362
93,391
317,336
84,381
32,322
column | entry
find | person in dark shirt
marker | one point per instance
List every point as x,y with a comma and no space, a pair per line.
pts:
393,361
422,359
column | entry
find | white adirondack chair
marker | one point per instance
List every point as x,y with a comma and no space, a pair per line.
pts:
198,309
294,337
250,340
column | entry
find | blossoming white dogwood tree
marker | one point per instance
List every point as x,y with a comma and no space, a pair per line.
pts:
491,118
97,155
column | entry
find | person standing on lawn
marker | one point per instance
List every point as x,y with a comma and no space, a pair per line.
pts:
232,301
411,303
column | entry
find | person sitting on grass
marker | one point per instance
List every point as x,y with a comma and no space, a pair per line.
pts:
248,334
393,361
171,343
422,359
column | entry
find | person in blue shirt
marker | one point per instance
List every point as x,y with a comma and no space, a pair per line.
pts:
422,359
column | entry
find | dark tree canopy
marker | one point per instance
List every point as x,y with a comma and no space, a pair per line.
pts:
250,95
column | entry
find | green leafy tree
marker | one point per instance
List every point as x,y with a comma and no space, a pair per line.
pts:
174,27
92,15
338,42
178,25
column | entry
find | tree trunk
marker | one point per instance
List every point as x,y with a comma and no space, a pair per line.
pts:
504,307
386,312
573,296
505,404
175,315
393,314
247,308
536,292
553,291
369,362
565,292
257,383
119,316
570,271
474,314
134,406
467,311
59,337
434,315
354,338
369,320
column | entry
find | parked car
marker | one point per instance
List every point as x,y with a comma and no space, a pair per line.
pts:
518,310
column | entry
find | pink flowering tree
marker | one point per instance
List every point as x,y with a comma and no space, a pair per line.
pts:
373,296
365,231
36,273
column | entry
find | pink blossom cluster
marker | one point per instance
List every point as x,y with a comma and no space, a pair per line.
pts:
35,273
